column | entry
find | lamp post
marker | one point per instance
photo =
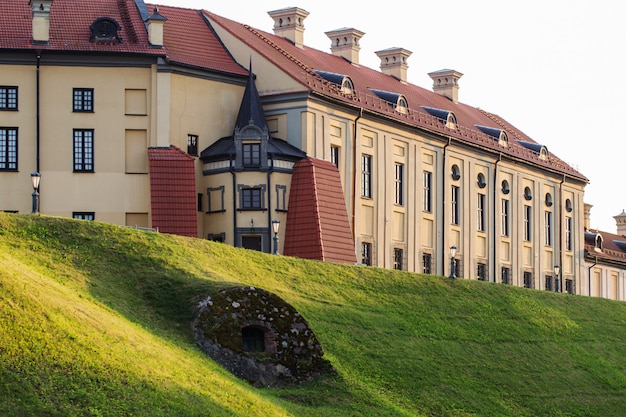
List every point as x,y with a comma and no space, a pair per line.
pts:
275,227
452,261
557,270
35,177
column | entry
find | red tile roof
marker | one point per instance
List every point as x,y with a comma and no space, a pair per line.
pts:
301,63
317,220
613,246
173,191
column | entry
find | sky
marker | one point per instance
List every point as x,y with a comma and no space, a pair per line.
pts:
554,69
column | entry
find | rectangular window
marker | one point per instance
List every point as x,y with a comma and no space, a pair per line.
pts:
251,198
427,192
549,283
366,253
399,186
548,228
83,100
481,272
83,150
199,202
398,254
192,145
505,217
8,98
528,280
8,149
251,155
84,215
568,233
215,198
527,223
506,275
455,205
481,213
427,261
366,176
569,286
334,155
281,197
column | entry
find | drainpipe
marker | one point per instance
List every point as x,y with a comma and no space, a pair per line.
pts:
38,122
354,136
234,177
595,262
560,256
495,217
443,207
269,205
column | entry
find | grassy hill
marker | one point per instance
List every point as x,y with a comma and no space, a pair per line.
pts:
95,321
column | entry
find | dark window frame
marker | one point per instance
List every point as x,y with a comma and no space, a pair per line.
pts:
505,273
83,150
84,215
398,258
281,198
366,253
427,263
334,155
192,144
9,147
8,97
83,100
251,155
481,271
251,198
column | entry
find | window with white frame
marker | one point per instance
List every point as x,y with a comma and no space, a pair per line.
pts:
548,228
481,227
399,184
568,233
334,155
528,211
427,203
366,176
505,222
455,205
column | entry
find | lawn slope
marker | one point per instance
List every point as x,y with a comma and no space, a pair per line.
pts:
95,321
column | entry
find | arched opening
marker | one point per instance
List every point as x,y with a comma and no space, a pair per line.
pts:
253,339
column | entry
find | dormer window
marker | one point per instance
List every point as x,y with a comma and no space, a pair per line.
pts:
445,116
105,30
342,81
537,148
397,101
498,134
598,245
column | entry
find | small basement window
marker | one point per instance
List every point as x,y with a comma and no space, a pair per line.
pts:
253,339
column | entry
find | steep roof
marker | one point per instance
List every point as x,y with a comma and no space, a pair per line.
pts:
317,220
251,110
173,191
301,64
613,246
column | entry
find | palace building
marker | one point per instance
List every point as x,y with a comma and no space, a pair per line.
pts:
191,123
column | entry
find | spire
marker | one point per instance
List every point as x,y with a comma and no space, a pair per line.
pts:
251,111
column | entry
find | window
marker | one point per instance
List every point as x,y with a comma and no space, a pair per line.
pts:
281,197
334,155
455,203
528,280
251,155
505,217
549,283
426,191
527,223
568,233
215,198
366,253
398,254
399,193
8,149
427,261
251,198
455,172
84,215
216,237
366,176
83,150
528,194
568,205
480,180
8,98
506,188
192,145
253,339
506,275
481,213
548,228
83,100
481,272
569,286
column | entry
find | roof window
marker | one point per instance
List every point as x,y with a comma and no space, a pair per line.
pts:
342,81
105,30
447,117
498,134
398,101
537,148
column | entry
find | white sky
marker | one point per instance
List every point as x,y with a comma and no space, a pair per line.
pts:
552,68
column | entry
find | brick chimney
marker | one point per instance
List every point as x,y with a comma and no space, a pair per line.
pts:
289,23
393,62
345,43
155,22
41,20
446,83
620,221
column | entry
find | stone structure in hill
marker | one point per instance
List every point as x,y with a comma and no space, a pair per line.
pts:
258,337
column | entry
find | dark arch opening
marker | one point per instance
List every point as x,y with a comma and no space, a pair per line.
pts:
253,339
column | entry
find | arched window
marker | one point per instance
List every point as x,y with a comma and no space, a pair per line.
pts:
548,200
506,188
528,194
482,183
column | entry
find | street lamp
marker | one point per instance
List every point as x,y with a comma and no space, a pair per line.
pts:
35,177
557,270
452,261
275,227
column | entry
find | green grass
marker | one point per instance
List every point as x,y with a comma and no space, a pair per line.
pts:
95,321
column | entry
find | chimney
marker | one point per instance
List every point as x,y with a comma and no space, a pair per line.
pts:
345,43
393,62
289,23
587,220
155,22
620,221
41,20
446,83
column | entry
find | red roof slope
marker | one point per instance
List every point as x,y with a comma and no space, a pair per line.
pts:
301,64
317,220
173,191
